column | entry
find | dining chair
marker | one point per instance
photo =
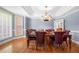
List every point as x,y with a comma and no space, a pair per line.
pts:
52,39
31,35
40,39
65,36
59,38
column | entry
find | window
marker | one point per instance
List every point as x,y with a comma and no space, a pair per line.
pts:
19,25
5,24
59,24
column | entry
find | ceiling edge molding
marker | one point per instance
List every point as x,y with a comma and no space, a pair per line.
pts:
13,12
68,13
28,9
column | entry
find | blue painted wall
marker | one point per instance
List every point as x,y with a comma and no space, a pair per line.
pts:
72,24
72,21
40,24
28,23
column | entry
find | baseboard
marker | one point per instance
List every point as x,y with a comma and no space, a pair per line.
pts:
5,41
76,42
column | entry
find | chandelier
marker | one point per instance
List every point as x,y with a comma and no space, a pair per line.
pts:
46,16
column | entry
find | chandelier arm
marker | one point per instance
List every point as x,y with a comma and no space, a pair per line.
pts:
46,17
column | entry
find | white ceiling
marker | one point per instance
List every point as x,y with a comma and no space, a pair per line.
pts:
16,10
54,11
37,11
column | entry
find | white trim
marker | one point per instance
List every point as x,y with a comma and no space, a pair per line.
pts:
75,31
76,42
10,39
66,14
71,12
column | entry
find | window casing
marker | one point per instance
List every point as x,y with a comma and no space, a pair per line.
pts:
5,24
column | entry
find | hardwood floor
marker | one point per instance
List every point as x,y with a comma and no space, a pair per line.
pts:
20,46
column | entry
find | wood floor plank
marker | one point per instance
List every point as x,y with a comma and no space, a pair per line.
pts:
20,46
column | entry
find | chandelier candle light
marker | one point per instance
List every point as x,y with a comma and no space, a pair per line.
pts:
46,17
